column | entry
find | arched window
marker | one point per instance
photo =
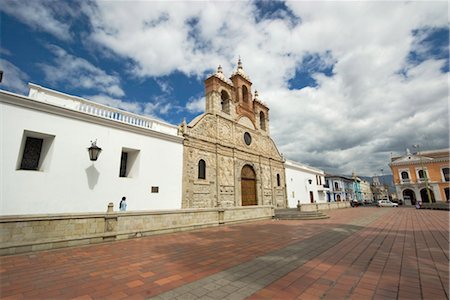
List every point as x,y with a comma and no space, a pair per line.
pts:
201,169
262,121
422,174
244,93
427,196
225,102
278,180
445,172
405,175
336,186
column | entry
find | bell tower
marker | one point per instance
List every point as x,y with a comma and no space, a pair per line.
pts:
232,98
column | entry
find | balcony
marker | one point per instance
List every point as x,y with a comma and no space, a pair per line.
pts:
405,181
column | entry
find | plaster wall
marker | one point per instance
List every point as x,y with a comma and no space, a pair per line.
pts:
68,181
299,188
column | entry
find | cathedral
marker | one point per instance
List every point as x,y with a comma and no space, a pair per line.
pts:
229,158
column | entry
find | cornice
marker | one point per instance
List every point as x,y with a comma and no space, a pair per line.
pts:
23,101
414,163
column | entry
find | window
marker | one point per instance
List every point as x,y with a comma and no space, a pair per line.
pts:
244,93
31,154
34,151
445,172
262,121
225,102
422,174
278,180
405,175
336,186
129,162
247,138
201,169
123,164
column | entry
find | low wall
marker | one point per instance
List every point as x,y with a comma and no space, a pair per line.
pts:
19,234
324,206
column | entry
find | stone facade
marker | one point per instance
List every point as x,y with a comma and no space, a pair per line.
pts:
233,133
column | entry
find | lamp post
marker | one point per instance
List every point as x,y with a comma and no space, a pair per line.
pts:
417,146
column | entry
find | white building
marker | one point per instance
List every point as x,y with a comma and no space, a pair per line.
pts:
304,184
45,167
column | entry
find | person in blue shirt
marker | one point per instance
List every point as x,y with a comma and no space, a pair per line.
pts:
123,204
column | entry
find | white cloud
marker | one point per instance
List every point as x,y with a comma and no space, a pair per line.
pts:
79,73
13,78
350,121
42,15
196,105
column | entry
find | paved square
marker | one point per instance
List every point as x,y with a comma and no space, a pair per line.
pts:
358,253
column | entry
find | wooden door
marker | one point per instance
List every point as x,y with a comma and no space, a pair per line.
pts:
248,186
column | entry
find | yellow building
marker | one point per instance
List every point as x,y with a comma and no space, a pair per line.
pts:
413,173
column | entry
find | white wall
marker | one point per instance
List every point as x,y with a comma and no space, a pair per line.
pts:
69,181
298,187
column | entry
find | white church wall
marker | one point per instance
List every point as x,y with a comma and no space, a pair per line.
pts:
66,180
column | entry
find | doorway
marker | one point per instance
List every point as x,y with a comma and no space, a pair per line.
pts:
248,186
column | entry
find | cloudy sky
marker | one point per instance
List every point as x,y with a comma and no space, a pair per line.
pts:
347,83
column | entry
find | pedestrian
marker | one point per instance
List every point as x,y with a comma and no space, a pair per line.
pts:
123,204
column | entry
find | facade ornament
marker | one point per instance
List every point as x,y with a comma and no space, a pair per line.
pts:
239,64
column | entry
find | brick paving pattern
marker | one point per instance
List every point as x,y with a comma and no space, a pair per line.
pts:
359,253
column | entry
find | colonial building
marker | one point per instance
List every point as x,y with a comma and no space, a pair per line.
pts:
422,176
366,191
45,166
340,188
304,184
229,158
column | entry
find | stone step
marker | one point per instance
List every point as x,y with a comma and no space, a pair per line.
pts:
293,214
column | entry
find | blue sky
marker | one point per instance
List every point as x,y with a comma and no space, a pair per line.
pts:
347,83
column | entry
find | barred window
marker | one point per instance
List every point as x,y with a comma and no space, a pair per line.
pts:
31,154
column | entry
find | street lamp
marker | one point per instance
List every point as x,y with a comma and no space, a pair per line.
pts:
417,146
94,151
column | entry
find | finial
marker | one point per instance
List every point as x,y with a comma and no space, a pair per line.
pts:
219,69
239,63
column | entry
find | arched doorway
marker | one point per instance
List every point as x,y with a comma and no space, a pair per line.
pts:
424,196
409,195
248,186
338,198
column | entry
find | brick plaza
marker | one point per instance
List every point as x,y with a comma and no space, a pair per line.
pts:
358,253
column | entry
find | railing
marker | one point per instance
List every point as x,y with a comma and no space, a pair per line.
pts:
405,180
99,110
125,117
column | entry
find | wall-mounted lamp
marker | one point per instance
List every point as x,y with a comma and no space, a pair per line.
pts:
310,181
94,151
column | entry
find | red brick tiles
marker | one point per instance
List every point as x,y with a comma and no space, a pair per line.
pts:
403,254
